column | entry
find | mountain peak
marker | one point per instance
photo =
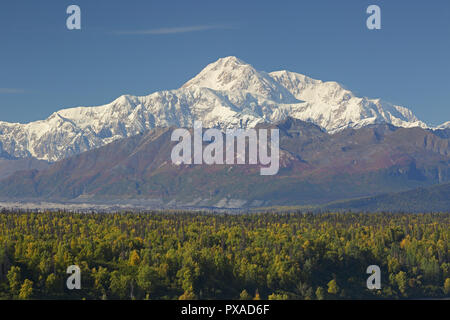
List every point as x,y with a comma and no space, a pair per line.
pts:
238,78
222,74
230,60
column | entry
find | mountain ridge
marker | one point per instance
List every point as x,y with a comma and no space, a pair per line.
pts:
316,167
228,93
435,198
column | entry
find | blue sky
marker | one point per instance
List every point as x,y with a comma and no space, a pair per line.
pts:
139,47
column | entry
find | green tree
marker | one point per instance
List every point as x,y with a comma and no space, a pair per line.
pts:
245,295
215,256
101,280
146,278
401,280
320,293
13,277
120,284
52,284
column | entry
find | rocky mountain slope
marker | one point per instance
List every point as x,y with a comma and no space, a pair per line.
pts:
9,167
316,167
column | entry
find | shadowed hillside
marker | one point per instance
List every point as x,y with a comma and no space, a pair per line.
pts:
315,168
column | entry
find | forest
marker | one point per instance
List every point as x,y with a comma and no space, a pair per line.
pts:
209,255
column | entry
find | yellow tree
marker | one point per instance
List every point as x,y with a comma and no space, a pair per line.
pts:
26,290
447,286
134,258
188,295
245,295
333,287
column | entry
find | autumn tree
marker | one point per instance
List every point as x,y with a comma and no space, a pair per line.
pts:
333,287
26,290
13,277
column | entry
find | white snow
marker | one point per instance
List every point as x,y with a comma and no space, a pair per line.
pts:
445,125
227,93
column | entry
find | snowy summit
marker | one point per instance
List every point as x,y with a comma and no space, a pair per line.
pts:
228,93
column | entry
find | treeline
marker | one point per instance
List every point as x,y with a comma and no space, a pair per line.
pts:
182,255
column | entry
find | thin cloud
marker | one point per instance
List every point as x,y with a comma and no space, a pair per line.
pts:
11,91
174,30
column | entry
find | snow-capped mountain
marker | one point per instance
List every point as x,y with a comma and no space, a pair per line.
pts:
227,93
331,106
445,125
